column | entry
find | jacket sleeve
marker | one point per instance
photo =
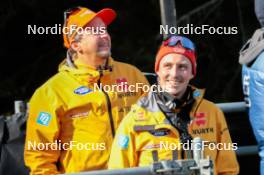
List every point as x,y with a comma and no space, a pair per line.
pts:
226,162
42,130
123,153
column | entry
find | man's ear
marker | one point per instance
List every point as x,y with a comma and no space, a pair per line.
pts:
157,73
75,46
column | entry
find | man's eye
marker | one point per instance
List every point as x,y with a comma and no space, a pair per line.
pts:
183,67
167,65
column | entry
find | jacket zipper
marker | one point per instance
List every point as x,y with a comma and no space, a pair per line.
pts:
109,107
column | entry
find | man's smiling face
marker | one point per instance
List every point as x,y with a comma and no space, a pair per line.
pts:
175,72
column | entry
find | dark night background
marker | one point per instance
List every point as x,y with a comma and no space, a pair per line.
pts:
27,61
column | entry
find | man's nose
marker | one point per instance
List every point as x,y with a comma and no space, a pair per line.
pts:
174,72
103,34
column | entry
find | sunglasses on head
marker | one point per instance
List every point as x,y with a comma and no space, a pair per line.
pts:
174,40
69,12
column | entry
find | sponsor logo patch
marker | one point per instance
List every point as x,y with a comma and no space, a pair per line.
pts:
141,116
152,146
203,131
123,141
124,109
82,90
122,82
79,115
200,118
160,132
127,94
196,93
44,118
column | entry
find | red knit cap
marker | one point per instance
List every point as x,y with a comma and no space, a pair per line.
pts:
178,49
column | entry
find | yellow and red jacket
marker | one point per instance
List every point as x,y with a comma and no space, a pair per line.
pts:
146,129
71,122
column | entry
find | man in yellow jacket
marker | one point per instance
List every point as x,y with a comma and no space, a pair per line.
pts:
74,115
172,115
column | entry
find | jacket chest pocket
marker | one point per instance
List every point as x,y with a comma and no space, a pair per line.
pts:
85,125
157,145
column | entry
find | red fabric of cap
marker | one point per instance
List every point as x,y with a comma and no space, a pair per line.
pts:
165,50
107,15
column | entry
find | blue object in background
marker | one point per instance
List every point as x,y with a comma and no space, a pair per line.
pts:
258,65
253,88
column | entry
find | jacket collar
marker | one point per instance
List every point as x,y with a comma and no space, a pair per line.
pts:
149,102
84,73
